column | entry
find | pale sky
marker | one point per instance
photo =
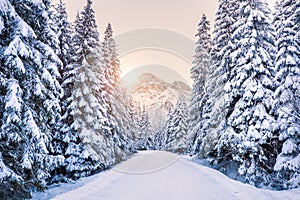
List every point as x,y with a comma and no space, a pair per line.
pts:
180,16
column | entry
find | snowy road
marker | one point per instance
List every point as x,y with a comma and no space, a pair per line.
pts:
163,176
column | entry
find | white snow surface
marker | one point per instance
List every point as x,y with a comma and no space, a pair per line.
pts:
161,176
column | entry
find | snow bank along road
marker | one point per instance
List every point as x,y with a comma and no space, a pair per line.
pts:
161,176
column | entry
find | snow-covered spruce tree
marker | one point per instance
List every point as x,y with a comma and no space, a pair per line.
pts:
91,109
123,119
247,139
160,138
176,134
135,125
29,93
86,37
111,60
64,31
111,129
213,118
78,162
157,138
142,139
144,126
114,96
133,122
199,73
88,111
80,159
226,15
90,118
287,94
77,40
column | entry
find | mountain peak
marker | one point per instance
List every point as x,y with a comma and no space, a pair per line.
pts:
158,96
149,77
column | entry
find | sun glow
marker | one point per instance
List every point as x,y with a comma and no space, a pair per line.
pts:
158,58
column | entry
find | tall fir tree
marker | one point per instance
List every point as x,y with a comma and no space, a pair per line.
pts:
30,93
66,142
86,37
111,60
90,116
176,133
161,137
76,44
83,111
142,126
114,96
287,94
199,73
247,138
133,120
218,74
99,140
225,17
64,31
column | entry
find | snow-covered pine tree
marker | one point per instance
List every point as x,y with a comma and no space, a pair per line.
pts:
204,42
142,138
160,138
133,122
176,133
226,15
86,37
111,60
144,127
287,94
213,118
199,73
247,139
134,112
123,118
64,31
90,35
29,91
78,162
91,110
81,107
114,96
90,118
77,40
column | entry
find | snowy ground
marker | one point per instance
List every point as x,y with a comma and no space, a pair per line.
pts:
161,176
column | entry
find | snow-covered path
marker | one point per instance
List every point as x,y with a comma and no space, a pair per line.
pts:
162,176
